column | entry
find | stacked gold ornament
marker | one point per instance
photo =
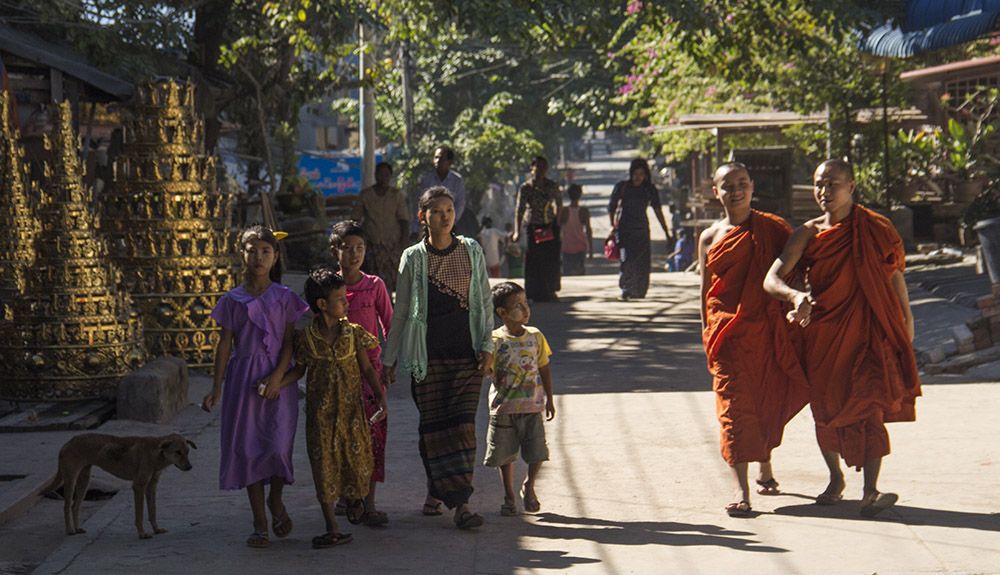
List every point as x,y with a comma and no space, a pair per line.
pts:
17,219
74,333
169,226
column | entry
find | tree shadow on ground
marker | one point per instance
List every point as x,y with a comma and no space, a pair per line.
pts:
903,514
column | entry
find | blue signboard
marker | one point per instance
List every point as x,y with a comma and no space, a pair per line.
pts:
333,175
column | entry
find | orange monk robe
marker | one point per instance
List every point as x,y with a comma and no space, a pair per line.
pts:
857,354
758,381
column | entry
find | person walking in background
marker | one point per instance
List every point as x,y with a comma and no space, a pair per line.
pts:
627,210
442,336
538,203
493,241
514,254
259,410
577,237
441,175
381,210
858,330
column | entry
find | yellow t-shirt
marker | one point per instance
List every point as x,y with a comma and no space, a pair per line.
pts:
517,382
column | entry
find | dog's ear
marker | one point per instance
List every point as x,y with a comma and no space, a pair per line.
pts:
164,446
191,443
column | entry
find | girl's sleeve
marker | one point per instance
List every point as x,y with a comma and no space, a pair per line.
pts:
401,312
223,312
295,307
383,307
487,301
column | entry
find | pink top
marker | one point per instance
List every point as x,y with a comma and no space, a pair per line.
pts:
370,307
573,234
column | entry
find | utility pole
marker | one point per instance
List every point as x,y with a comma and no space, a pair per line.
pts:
407,89
367,131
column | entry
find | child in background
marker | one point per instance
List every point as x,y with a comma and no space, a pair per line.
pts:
521,391
493,241
368,306
577,237
259,410
515,255
332,352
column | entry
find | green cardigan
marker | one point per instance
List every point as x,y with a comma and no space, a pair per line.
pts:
408,336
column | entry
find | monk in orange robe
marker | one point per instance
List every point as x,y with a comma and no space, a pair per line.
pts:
858,330
758,381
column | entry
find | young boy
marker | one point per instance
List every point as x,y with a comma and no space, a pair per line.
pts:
520,392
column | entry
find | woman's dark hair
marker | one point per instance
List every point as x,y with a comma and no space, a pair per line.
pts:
448,152
381,165
539,160
640,164
427,198
265,234
343,229
502,292
574,191
322,280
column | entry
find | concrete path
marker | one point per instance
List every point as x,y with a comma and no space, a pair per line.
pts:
635,485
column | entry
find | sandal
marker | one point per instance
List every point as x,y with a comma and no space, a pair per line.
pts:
432,509
258,540
282,526
531,503
769,487
468,520
877,503
828,498
328,540
375,519
356,511
508,509
740,509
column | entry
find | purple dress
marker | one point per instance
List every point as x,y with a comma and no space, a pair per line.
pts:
257,434
371,308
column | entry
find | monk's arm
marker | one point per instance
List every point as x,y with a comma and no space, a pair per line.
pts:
704,242
899,286
775,284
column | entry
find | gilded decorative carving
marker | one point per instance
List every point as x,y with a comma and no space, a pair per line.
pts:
73,332
169,226
17,219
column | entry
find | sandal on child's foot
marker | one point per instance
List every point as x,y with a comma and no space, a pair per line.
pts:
769,487
328,540
468,520
356,511
508,509
876,503
432,509
258,540
739,509
375,519
282,526
530,500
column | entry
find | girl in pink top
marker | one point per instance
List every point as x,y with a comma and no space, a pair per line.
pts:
577,237
370,307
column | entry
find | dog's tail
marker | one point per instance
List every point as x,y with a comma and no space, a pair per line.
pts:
50,489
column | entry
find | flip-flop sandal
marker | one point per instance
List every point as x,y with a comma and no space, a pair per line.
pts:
531,504
769,487
469,520
829,498
356,511
739,509
432,509
508,510
327,540
282,526
375,519
258,540
878,504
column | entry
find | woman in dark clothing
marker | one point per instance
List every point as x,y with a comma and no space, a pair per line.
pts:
538,202
627,209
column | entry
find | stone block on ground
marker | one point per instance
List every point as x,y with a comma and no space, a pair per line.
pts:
155,392
963,335
960,363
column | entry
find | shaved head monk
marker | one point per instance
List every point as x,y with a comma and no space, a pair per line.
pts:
858,330
758,380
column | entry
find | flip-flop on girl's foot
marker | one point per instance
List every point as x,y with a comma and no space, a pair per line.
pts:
468,520
877,503
739,509
282,525
328,540
356,511
258,540
432,509
508,509
826,498
769,487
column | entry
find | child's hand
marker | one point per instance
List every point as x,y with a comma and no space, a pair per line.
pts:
486,363
388,375
211,398
550,410
382,413
272,386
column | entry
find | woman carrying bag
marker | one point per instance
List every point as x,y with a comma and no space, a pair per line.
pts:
629,202
538,202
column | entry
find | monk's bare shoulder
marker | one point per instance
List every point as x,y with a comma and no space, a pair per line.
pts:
802,235
710,234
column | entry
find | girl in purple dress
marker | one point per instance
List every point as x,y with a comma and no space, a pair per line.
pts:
259,415
371,308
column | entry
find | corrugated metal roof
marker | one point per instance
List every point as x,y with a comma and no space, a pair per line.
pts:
922,14
890,40
34,48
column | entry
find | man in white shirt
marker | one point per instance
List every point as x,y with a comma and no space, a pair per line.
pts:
441,175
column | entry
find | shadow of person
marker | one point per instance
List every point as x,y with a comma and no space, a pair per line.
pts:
607,532
898,514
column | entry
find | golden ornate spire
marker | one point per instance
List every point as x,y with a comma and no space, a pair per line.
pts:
170,226
74,333
17,219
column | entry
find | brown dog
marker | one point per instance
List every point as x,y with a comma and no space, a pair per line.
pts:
136,459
